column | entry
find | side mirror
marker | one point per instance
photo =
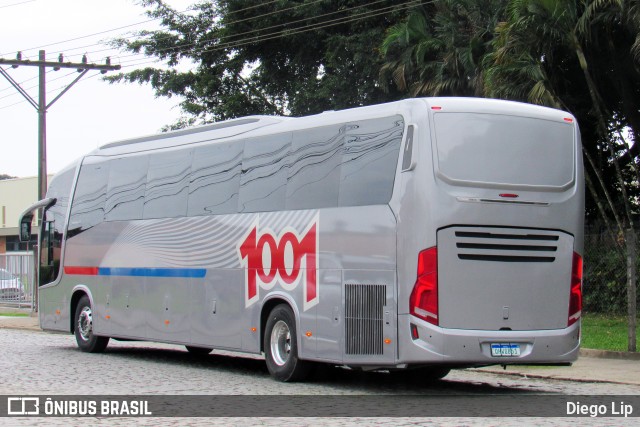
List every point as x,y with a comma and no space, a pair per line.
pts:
27,217
25,228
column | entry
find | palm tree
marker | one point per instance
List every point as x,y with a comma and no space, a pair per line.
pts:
438,50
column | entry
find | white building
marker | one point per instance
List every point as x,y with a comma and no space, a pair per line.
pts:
15,196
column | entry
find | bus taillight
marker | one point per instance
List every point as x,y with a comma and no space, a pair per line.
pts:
423,302
575,297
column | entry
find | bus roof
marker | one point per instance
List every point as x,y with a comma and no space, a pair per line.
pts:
259,125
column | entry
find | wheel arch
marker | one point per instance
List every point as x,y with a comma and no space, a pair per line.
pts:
77,293
269,303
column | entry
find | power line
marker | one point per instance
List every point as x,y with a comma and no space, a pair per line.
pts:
35,86
17,4
286,31
123,27
41,105
22,82
186,10
237,43
82,37
22,101
229,23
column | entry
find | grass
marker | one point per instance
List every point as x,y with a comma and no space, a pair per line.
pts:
14,314
605,332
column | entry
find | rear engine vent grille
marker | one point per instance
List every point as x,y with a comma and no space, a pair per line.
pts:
506,247
364,308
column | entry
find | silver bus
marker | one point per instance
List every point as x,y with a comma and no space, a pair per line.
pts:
426,234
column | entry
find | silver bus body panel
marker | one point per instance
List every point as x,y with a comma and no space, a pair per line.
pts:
529,293
367,254
472,347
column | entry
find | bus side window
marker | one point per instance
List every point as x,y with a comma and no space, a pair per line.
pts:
125,189
167,187
215,179
369,162
88,201
263,183
314,172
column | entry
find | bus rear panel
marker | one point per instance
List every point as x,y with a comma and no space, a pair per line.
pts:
499,214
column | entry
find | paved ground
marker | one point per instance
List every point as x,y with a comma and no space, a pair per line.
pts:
592,366
50,364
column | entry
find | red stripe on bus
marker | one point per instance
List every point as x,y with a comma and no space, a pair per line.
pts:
85,271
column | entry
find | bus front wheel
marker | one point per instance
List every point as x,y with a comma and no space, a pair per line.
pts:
281,346
83,328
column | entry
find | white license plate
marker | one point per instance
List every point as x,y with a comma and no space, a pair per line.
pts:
505,350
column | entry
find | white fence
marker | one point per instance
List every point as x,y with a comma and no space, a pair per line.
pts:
17,280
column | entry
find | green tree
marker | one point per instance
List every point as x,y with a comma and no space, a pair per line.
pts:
439,48
274,57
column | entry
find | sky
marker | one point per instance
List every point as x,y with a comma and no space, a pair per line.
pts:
93,112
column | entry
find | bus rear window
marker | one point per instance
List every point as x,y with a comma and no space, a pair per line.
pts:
494,150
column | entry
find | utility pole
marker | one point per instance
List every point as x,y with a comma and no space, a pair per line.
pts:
41,106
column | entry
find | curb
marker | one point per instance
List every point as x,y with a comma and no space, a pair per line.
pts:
557,378
606,354
18,310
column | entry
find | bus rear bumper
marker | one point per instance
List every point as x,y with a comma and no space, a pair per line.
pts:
435,345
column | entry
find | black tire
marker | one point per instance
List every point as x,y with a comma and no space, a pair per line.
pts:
433,373
83,328
423,375
198,351
281,346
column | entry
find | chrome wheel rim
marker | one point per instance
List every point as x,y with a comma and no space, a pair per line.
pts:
280,342
85,323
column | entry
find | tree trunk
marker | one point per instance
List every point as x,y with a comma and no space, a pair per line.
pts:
603,213
600,178
632,311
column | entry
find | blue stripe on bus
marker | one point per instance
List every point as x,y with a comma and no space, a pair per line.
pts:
152,272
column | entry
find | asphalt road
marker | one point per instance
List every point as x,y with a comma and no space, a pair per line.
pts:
38,363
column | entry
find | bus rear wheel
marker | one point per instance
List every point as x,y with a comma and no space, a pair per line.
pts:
434,373
426,374
281,346
83,329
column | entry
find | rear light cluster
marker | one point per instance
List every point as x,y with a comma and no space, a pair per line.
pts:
575,297
423,302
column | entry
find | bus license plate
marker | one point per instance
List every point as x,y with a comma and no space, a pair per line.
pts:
505,350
